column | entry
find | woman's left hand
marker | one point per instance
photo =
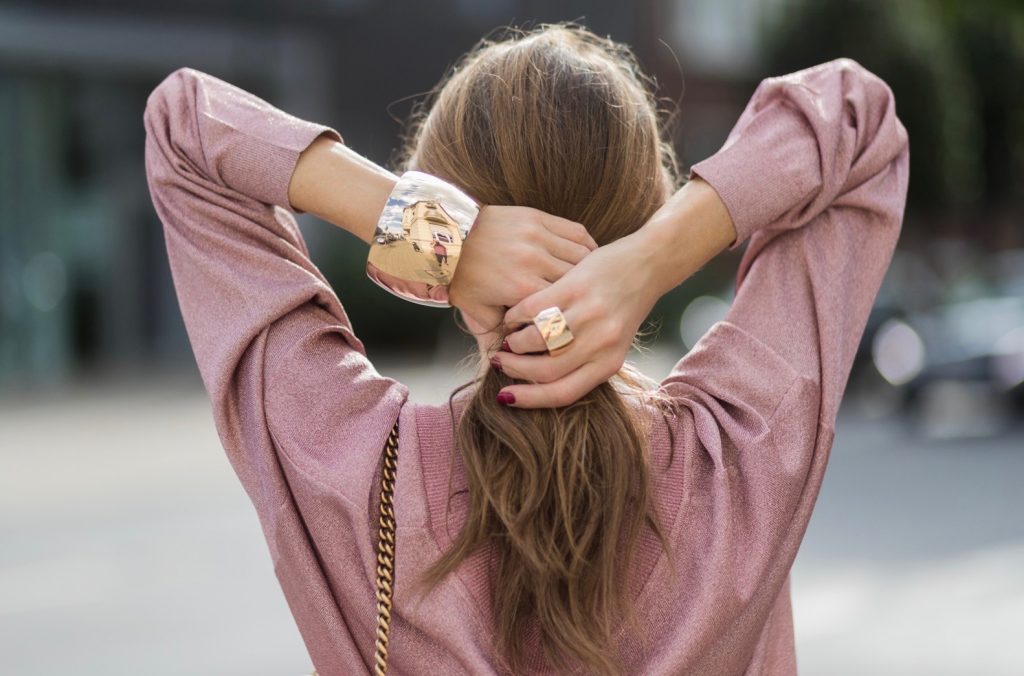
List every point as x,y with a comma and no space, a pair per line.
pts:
511,253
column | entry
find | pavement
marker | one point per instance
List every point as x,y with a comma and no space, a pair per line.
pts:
127,544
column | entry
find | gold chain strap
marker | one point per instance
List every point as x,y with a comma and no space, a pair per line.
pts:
385,553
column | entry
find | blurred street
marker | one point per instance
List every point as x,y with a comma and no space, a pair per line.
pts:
129,546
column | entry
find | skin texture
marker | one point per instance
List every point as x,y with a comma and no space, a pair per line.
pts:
609,294
498,270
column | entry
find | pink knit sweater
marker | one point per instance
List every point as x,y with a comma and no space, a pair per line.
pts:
814,175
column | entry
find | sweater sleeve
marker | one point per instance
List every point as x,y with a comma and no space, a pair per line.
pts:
219,161
814,175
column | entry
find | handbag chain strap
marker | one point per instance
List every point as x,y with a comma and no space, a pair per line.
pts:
386,552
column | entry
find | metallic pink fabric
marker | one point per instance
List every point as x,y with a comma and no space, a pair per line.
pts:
814,175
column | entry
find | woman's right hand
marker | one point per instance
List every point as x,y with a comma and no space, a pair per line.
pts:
511,253
604,299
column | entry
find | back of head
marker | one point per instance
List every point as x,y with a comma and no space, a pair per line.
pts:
557,119
560,120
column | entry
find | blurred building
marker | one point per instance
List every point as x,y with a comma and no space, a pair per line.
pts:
426,222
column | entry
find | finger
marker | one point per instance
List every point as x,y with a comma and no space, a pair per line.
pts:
570,230
520,288
555,268
523,335
560,392
487,317
523,312
564,249
542,368
527,340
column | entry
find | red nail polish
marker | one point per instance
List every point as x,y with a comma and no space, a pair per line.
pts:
495,363
504,346
506,398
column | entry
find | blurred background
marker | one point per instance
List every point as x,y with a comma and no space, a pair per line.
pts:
126,543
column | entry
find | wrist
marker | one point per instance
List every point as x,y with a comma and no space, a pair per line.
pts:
690,229
340,186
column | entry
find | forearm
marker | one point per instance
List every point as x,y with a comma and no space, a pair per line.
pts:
218,164
340,186
690,229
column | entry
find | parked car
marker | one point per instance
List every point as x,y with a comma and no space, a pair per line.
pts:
386,238
948,354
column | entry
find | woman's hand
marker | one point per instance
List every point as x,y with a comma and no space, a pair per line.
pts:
604,298
511,253
608,295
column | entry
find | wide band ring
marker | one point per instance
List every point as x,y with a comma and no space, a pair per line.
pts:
554,329
418,240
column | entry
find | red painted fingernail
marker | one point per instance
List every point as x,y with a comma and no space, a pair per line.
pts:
495,363
504,346
506,398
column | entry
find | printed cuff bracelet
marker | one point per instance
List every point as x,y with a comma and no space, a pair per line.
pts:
419,236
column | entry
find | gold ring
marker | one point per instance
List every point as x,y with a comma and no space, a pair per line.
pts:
553,328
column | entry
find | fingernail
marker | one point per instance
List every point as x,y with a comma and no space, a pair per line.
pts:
504,346
506,398
495,363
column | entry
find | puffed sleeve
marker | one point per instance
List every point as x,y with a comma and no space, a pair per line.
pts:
814,175
219,161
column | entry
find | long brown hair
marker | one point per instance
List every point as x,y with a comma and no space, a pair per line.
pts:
561,120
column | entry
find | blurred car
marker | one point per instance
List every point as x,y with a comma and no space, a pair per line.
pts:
956,367
386,238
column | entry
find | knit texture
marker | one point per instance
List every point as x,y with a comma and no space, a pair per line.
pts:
814,175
